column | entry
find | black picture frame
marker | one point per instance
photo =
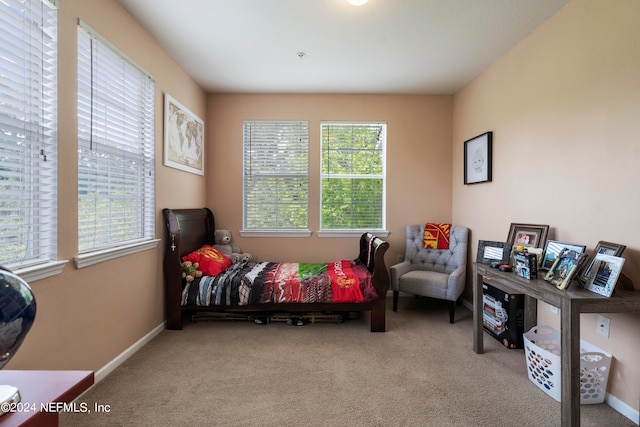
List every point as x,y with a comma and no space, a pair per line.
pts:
490,251
606,248
552,249
478,154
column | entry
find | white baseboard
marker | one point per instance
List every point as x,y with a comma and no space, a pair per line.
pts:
119,360
623,408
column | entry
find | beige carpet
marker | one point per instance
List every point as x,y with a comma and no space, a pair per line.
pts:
421,372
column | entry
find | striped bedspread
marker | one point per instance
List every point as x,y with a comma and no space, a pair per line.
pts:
283,282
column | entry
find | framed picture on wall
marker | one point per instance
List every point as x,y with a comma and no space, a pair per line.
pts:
477,158
183,137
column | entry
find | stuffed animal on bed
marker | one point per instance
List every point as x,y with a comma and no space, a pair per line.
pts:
223,245
190,270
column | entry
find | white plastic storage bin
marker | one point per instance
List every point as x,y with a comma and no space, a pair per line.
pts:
542,353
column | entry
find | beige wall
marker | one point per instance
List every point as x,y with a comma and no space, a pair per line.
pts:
87,317
564,107
418,164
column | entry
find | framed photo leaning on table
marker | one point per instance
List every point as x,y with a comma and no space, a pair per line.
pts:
604,273
564,268
606,248
527,235
489,251
552,248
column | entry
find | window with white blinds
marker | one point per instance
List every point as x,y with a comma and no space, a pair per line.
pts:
276,175
115,147
353,176
28,133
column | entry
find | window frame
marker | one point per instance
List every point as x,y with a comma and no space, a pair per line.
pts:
247,230
353,232
134,141
29,122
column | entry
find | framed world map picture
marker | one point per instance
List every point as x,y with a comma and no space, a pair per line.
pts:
183,137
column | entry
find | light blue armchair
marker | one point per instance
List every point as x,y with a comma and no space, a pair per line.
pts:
433,273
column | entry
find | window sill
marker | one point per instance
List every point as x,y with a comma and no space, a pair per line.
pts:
275,233
40,271
351,233
96,257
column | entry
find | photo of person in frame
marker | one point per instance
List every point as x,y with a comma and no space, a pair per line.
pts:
564,268
477,159
477,167
524,238
561,271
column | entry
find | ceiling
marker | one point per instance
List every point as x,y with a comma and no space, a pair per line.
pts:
384,46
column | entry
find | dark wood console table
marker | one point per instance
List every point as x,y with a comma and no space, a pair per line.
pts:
41,388
572,303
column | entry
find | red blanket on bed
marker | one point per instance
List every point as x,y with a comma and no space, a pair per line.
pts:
283,282
345,283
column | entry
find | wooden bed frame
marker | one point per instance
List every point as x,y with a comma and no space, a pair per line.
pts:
189,229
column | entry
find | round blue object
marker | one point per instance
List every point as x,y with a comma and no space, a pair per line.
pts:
17,314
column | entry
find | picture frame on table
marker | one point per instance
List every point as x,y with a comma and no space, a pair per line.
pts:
553,247
605,271
527,235
183,137
606,248
490,251
564,268
478,153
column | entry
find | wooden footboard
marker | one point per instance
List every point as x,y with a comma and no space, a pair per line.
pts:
189,229
372,250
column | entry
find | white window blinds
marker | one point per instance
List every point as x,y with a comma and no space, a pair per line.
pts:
28,133
276,175
353,176
115,147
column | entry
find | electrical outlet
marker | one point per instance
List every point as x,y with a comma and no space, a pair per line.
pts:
603,325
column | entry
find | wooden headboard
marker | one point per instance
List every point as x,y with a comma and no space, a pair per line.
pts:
189,229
